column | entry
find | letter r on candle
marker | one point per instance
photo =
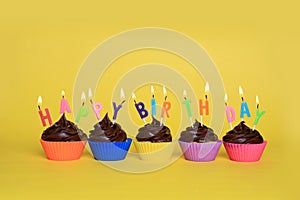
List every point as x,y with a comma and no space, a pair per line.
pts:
166,108
202,107
44,117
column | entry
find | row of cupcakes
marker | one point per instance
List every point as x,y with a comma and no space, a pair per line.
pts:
109,142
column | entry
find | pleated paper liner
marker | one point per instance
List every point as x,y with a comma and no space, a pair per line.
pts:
200,152
63,151
245,152
156,151
110,151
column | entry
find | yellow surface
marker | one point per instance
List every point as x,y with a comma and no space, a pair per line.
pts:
254,44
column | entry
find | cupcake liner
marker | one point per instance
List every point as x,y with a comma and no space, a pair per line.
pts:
200,152
244,152
63,151
110,151
156,151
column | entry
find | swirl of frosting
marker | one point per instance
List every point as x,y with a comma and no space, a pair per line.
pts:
198,133
242,134
106,131
154,132
63,131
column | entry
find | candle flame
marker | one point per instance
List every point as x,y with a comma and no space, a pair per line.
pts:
133,96
257,100
62,93
152,89
206,87
184,93
83,98
122,94
226,98
90,93
40,100
164,91
241,91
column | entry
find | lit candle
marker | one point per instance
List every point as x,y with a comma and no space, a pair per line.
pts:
153,102
44,117
83,111
64,105
117,108
140,107
97,107
244,106
230,114
204,106
187,104
258,113
166,107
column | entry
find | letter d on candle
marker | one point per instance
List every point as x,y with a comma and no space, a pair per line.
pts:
230,114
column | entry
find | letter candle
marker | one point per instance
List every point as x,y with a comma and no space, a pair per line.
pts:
258,114
244,105
140,107
204,106
83,111
230,114
97,107
153,102
187,104
64,105
44,117
166,107
117,108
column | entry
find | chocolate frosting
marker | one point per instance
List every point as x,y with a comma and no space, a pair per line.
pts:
154,132
242,134
198,133
63,131
106,131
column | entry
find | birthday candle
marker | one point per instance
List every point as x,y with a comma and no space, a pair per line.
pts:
166,107
187,104
140,107
230,114
42,116
83,111
204,106
258,113
153,102
97,107
244,106
117,108
64,105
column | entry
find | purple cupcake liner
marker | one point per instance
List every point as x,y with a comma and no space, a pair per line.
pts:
200,152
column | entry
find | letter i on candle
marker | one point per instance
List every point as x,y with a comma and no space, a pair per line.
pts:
230,114
153,103
42,116
187,104
258,114
244,105
166,107
140,107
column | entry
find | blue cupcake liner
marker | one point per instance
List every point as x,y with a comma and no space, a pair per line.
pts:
110,151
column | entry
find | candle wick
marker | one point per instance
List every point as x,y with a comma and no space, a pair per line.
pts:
206,96
134,101
63,96
257,106
91,101
242,98
123,101
82,103
184,98
166,98
39,107
225,104
153,96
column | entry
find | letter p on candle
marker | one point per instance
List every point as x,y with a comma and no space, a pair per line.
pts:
204,106
97,107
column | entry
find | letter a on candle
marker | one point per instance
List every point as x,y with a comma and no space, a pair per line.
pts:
244,110
64,106
202,107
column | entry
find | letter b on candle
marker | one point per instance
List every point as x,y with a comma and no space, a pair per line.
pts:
141,109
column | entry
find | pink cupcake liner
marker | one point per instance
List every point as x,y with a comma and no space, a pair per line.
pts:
244,152
200,152
63,151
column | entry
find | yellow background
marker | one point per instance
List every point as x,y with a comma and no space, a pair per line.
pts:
254,44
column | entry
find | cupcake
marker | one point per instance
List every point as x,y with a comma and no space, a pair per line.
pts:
199,143
63,140
244,144
108,141
154,141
